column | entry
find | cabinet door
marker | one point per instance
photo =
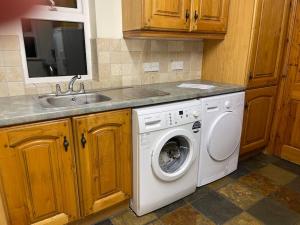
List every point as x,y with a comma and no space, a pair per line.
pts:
38,174
210,15
267,42
167,14
258,116
104,148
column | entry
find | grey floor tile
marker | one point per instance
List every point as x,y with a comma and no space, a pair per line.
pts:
294,185
200,191
170,208
288,166
241,171
216,207
253,164
105,222
273,213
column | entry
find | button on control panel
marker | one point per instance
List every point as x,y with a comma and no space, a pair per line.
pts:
183,116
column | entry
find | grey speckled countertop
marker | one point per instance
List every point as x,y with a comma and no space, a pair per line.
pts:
26,109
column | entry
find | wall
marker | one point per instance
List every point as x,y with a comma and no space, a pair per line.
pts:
117,62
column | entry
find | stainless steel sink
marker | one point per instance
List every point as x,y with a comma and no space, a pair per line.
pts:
53,101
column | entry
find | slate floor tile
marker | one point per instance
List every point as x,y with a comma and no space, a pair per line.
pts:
241,171
273,213
259,183
170,208
240,195
129,218
266,158
156,222
294,168
220,183
253,164
278,175
294,185
216,207
244,219
289,198
105,222
200,191
186,215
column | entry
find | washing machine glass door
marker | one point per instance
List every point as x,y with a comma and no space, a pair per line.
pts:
224,136
173,155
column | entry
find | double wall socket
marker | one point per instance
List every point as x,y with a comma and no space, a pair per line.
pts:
177,65
151,67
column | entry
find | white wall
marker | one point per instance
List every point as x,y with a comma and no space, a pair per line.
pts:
109,18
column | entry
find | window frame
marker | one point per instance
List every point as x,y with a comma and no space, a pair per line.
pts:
79,15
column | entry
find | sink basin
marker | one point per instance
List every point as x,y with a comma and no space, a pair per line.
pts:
54,101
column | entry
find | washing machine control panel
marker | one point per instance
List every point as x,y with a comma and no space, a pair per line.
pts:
182,116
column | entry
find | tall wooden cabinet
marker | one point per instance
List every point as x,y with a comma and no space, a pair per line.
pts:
104,151
175,19
38,176
251,56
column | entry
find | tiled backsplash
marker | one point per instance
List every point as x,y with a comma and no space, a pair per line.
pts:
120,63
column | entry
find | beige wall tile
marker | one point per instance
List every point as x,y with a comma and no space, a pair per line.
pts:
133,45
175,46
12,58
30,89
104,70
159,46
3,89
16,88
115,57
14,74
116,69
2,74
10,42
103,57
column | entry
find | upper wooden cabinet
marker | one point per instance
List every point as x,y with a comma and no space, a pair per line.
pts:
252,51
210,16
175,19
38,174
268,42
167,14
103,143
258,118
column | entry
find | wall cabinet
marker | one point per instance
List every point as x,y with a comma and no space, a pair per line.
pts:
257,118
175,19
104,151
47,178
38,173
251,56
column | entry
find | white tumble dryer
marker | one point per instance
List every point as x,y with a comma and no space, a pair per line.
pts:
222,118
166,141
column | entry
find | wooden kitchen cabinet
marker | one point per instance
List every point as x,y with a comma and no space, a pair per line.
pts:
269,32
210,16
258,117
103,143
38,173
175,19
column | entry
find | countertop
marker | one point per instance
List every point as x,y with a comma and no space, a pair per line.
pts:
26,109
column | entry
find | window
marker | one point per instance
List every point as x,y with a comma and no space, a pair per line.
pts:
56,41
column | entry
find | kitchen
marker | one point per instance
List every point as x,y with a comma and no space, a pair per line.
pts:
200,84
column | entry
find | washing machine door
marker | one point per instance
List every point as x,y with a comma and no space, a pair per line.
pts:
173,155
224,136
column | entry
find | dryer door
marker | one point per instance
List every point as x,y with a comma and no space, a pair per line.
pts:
224,136
173,155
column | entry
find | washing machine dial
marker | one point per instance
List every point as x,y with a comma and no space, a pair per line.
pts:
228,104
195,114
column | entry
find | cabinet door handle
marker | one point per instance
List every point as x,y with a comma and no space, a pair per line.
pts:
66,143
250,75
83,141
196,16
187,15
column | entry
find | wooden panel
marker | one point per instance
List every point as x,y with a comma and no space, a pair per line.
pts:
132,15
105,160
257,118
210,15
268,40
226,61
165,35
37,174
166,14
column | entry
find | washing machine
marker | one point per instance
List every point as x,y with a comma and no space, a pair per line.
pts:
222,119
166,141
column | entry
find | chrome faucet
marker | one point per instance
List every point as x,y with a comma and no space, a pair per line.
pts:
70,90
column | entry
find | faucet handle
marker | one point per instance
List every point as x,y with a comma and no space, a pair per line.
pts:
58,89
82,90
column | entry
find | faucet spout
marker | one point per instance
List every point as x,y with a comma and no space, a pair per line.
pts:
72,81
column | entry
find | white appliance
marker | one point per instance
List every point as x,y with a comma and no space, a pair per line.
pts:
222,118
166,141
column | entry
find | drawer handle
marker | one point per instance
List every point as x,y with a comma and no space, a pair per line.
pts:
187,15
83,141
66,143
196,16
